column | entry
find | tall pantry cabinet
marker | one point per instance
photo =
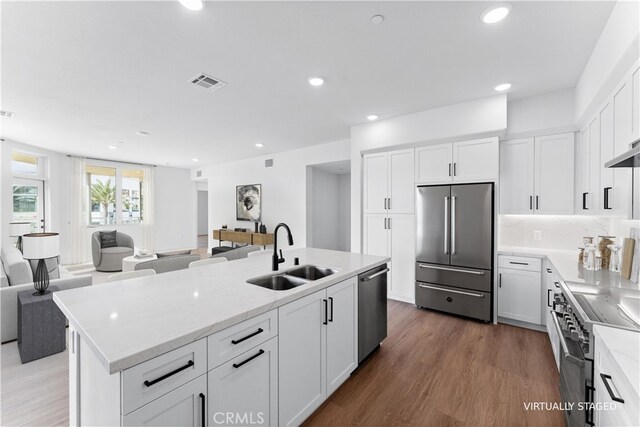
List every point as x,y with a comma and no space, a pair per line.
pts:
388,216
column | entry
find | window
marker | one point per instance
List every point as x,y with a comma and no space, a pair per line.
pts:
115,195
24,164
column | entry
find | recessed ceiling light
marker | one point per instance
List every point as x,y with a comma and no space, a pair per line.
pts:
495,13
113,147
377,19
192,4
502,87
316,81
142,133
372,117
259,144
196,160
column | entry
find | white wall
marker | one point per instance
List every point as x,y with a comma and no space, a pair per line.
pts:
323,230
545,114
284,187
344,212
616,50
467,120
175,203
203,212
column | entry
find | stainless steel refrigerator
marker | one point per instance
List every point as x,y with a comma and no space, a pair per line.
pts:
454,249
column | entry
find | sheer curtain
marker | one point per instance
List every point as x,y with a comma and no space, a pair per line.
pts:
148,220
79,213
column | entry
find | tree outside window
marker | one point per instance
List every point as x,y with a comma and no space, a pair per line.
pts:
105,185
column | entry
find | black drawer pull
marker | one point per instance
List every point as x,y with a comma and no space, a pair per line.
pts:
549,271
557,284
605,380
165,376
203,400
518,263
260,353
259,331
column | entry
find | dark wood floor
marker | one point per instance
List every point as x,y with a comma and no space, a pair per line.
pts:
436,369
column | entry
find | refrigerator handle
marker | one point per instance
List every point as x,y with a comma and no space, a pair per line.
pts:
446,225
453,225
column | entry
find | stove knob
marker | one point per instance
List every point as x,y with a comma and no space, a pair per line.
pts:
573,334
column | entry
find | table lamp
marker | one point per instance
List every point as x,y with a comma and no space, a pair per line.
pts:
19,229
40,246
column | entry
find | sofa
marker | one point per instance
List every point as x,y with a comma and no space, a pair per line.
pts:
110,259
178,262
16,276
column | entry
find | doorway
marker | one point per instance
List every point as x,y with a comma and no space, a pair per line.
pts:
203,218
28,203
329,206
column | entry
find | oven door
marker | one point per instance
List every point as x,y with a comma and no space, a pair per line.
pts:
572,378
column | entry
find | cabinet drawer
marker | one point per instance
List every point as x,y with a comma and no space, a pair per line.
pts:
237,339
474,304
519,263
156,377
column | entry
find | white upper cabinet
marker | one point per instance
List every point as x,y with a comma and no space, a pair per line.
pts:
462,161
585,164
475,160
594,165
376,180
554,174
516,176
536,175
434,163
606,154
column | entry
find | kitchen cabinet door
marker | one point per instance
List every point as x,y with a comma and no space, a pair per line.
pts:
375,236
184,406
403,257
554,174
476,160
584,184
376,182
516,176
434,163
635,103
594,166
606,153
342,339
401,181
302,358
519,295
622,137
246,387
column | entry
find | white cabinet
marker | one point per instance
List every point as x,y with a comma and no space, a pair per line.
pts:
462,161
376,239
606,187
317,349
388,182
519,289
536,175
551,286
246,387
184,406
516,176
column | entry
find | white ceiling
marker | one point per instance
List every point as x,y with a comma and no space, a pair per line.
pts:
81,76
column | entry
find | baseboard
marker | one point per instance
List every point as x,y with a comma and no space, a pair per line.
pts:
522,324
401,298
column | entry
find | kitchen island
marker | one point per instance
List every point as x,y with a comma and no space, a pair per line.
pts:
169,345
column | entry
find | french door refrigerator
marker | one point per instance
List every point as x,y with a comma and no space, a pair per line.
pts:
454,249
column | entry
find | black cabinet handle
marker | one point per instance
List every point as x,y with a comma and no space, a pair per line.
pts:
331,311
259,353
325,311
537,202
449,169
549,294
606,197
584,201
557,284
454,169
530,203
500,280
203,400
549,271
165,376
605,380
259,331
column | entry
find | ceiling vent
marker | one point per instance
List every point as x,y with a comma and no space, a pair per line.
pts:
268,163
7,114
210,83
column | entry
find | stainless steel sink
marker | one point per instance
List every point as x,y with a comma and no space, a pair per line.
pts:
277,282
311,272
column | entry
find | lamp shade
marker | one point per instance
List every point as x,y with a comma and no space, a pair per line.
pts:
17,229
40,245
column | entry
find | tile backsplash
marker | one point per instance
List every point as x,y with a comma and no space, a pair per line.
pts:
556,231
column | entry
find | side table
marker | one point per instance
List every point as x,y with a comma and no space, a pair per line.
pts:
129,263
41,325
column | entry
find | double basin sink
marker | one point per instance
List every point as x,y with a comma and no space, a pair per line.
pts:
292,278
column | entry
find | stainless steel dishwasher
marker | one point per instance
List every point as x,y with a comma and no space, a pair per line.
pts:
372,310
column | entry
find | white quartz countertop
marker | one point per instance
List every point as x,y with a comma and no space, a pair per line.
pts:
132,321
624,347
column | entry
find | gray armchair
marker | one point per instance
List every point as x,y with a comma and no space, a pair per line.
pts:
110,259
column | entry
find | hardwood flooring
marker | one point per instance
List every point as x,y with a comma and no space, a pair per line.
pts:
440,370
432,370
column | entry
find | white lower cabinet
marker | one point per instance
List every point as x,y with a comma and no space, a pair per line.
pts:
519,290
551,286
184,406
317,349
244,391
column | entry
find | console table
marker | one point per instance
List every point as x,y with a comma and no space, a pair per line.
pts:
243,237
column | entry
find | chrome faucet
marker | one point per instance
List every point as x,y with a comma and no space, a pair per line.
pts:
279,259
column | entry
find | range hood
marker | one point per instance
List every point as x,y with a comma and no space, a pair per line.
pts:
629,159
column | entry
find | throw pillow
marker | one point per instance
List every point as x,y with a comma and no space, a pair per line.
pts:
108,239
